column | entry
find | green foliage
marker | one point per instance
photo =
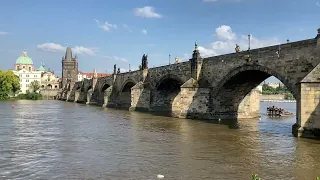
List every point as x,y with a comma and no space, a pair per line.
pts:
35,86
288,96
268,90
30,96
9,83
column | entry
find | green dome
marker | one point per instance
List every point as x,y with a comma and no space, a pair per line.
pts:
24,59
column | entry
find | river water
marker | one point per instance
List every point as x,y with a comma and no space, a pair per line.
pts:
61,140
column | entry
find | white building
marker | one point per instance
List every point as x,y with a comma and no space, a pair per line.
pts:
24,68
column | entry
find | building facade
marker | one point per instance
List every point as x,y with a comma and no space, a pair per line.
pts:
24,68
50,81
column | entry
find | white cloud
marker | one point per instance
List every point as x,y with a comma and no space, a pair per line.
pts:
3,33
144,31
116,58
227,41
106,26
225,33
53,47
318,4
147,12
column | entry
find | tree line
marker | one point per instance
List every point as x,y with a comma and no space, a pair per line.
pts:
269,90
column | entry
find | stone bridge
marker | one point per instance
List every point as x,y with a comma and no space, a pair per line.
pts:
218,87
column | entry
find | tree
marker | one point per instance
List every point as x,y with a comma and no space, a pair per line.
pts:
35,86
9,83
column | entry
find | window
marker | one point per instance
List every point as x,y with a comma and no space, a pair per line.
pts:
24,67
20,80
20,75
29,68
35,76
27,75
27,80
55,86
27,85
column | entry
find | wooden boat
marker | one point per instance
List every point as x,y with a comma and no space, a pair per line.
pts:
278,112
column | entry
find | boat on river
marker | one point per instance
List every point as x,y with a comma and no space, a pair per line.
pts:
274,111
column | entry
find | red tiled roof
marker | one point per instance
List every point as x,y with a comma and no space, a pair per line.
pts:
90,75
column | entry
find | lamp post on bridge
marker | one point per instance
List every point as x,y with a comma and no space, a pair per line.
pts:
249,38
169,58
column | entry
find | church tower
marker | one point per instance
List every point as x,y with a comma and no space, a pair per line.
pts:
69,68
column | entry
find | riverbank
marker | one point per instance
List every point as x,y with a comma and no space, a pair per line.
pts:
28,96
276,98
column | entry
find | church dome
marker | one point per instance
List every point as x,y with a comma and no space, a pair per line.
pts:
24,59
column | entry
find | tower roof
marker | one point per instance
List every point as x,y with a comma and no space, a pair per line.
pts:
41,68
68,55
24,59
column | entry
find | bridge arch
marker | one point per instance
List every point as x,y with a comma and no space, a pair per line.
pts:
125,93
256,70
104,87
230,92
165,92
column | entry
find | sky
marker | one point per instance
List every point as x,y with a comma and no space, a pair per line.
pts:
104,32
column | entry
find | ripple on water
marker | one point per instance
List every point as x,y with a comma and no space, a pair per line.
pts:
72,141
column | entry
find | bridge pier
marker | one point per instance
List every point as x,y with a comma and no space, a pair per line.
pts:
308,111
106,96
250,106
192,102
76,95
89,95
140,97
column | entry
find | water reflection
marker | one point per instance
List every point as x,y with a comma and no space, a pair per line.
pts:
73,141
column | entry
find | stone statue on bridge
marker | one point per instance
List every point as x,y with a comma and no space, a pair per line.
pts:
118,71
115,69
144,63
177,60
237,48
318,35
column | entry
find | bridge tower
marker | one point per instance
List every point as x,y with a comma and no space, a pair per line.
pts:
69,68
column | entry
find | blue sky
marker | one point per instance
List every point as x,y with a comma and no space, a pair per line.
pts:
104,33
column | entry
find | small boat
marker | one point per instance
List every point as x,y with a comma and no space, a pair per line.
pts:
278,112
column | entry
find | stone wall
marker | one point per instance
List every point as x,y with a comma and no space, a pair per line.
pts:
309,110
273,97
140,97
50,94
